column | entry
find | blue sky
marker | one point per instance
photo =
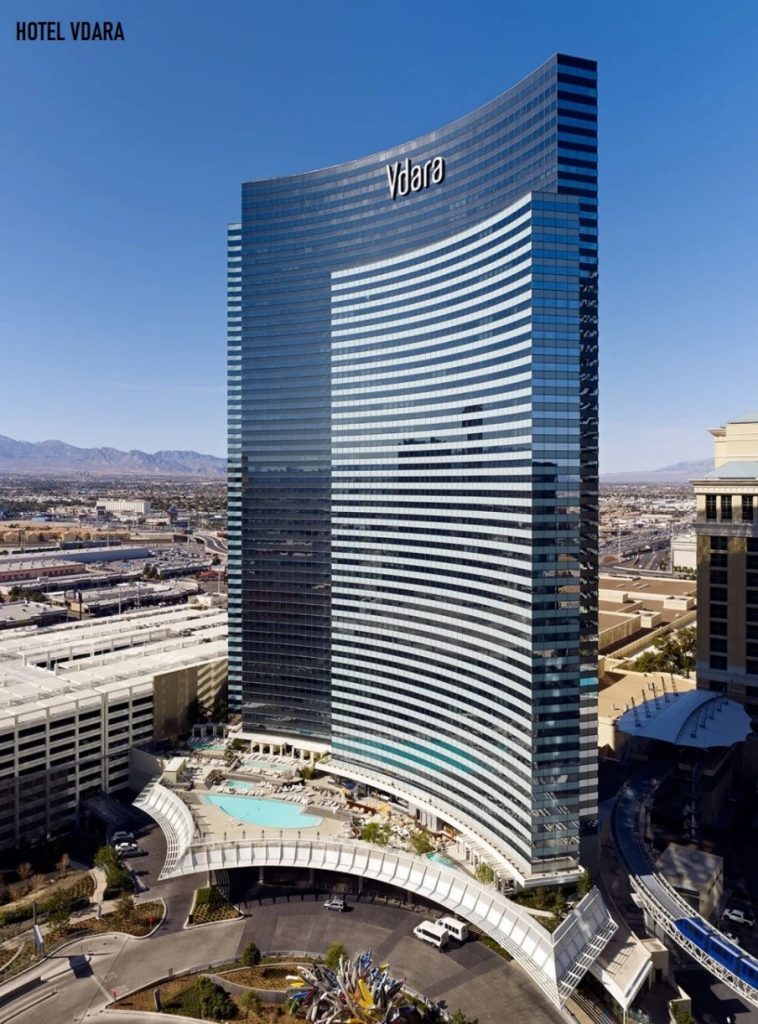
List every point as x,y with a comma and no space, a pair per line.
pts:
121,165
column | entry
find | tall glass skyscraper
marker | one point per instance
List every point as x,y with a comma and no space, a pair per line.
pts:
413,466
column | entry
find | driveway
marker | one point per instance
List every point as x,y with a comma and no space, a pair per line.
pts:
471,978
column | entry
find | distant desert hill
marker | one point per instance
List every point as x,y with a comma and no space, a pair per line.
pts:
55,458
679,473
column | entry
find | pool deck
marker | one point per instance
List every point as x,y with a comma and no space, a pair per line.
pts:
215,823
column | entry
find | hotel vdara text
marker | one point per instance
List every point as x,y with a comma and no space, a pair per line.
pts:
79,31
405,176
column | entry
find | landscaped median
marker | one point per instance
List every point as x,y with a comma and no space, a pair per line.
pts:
253,994
335,989
130,918
210,906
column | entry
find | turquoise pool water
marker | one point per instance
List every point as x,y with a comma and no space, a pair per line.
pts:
208,745
266,813
442,859
240,787
268,766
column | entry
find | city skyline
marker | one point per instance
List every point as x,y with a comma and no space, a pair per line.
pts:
113,196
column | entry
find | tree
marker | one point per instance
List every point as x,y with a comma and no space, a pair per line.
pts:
215,560
373,832
117,877
540,898
483,873
214,1000
334,954
219,711
62,865
674,652
106,857
125,907
420,842
251,955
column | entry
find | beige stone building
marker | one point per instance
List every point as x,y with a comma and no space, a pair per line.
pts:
727,560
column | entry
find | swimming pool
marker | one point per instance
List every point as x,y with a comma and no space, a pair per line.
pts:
208,745
268,766
239,787
440,858
266,813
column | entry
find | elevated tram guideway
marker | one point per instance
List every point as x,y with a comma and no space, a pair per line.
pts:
670,911
556,962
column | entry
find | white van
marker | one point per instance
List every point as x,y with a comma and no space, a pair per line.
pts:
739,917
433,933
457,930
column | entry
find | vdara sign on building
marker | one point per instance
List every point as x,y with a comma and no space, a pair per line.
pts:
405,176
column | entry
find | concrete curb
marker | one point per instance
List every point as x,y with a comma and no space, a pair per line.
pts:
205,968
84,937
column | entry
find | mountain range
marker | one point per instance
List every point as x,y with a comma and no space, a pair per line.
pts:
55,458
679,473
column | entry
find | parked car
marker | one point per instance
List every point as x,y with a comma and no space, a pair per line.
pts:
335,903
122,837
739,917
128,850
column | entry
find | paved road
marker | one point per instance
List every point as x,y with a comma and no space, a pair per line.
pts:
471,977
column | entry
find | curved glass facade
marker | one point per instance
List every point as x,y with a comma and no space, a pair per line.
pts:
413,463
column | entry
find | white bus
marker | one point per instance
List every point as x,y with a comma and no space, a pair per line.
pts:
433,933
458,930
